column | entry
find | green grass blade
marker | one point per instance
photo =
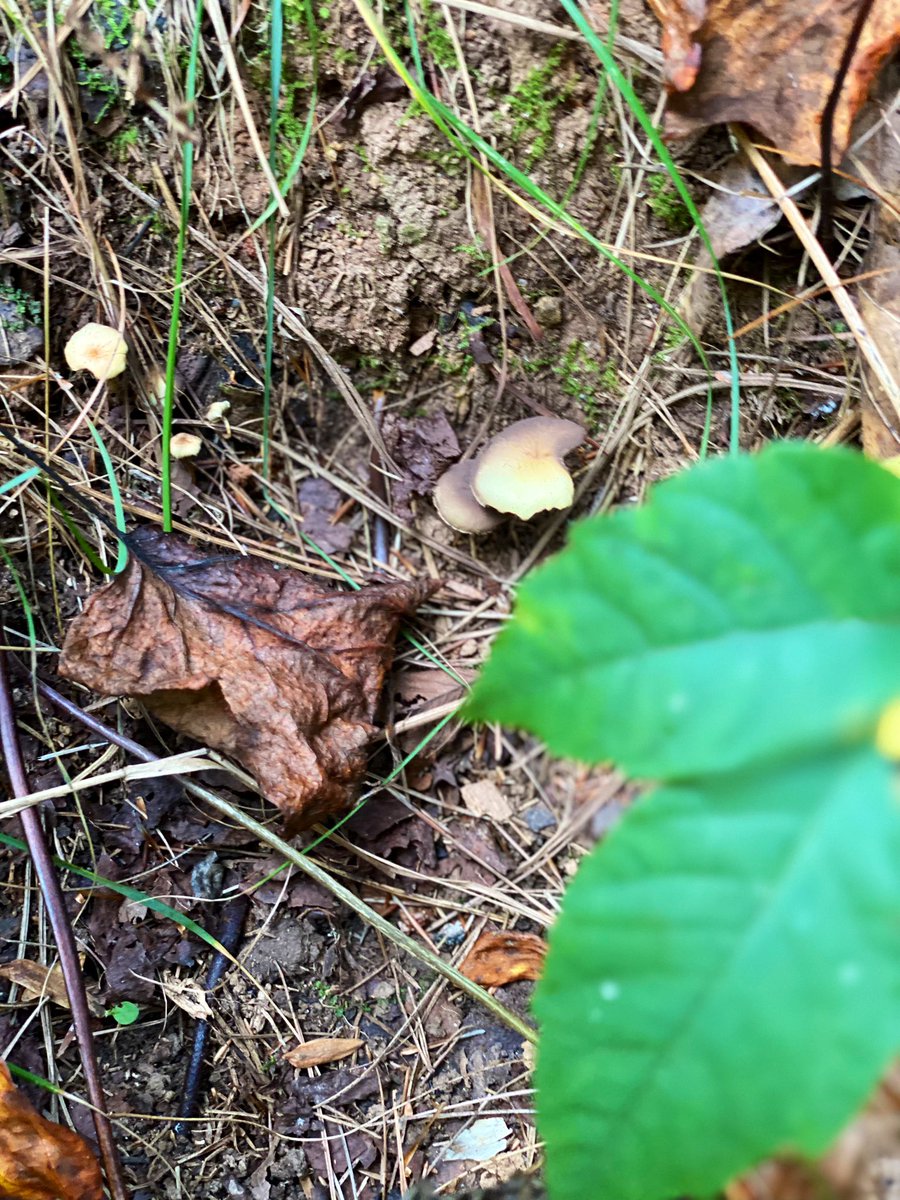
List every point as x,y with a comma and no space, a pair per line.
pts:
627,93
467,141
118,506
130,893
23,477
276,55
187,181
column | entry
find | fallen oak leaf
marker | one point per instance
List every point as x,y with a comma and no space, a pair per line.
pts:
40,1160
319,1051
499,958
261,662
771,64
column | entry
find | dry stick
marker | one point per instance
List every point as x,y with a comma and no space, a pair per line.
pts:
230,939
301,861
62,933
381,543
826,186
824,266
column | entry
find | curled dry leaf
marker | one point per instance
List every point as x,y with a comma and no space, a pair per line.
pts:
38,981
40,1160
321,1050
498,958
771,65
261,662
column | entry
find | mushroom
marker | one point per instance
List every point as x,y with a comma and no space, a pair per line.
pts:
185,445
98,349
457,505
521,470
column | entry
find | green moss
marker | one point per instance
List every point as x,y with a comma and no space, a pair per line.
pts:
583,378
667,206
384,231
120,142
672,341
533,106
435,35
26,310
475,251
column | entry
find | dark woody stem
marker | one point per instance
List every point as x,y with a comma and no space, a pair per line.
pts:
62,933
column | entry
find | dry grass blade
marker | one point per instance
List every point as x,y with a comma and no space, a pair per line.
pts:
867,347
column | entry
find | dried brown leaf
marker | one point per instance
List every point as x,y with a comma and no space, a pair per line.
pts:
38,981
261,662
772,65
190,997
40,1160
322,1050
484,799
498,958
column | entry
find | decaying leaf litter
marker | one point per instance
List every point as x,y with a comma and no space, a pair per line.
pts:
389,281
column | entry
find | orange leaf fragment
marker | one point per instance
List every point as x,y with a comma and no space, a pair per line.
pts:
262,662
40,1160
771,64
499,958
322,1050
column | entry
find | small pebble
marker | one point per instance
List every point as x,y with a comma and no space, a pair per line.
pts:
548,311
452,935
539,818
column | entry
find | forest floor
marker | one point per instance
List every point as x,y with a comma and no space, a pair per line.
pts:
395,341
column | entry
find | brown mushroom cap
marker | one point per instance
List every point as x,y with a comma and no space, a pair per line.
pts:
185,445
457,505
521,470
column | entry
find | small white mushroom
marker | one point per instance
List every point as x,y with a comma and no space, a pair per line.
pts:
185,445
521,470
98,349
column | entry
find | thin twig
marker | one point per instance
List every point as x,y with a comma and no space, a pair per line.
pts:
230,938
381,545
63,935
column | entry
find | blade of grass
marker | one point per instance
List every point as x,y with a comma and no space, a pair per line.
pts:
187,181
23,477
124,889
276,54
462,138
115,493
576,13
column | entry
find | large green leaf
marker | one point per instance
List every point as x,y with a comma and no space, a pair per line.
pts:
724,980
752,607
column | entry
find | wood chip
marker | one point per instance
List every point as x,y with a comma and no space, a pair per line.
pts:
321,1050
484,799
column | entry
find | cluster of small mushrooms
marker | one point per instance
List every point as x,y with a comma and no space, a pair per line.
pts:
103,352
520,471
